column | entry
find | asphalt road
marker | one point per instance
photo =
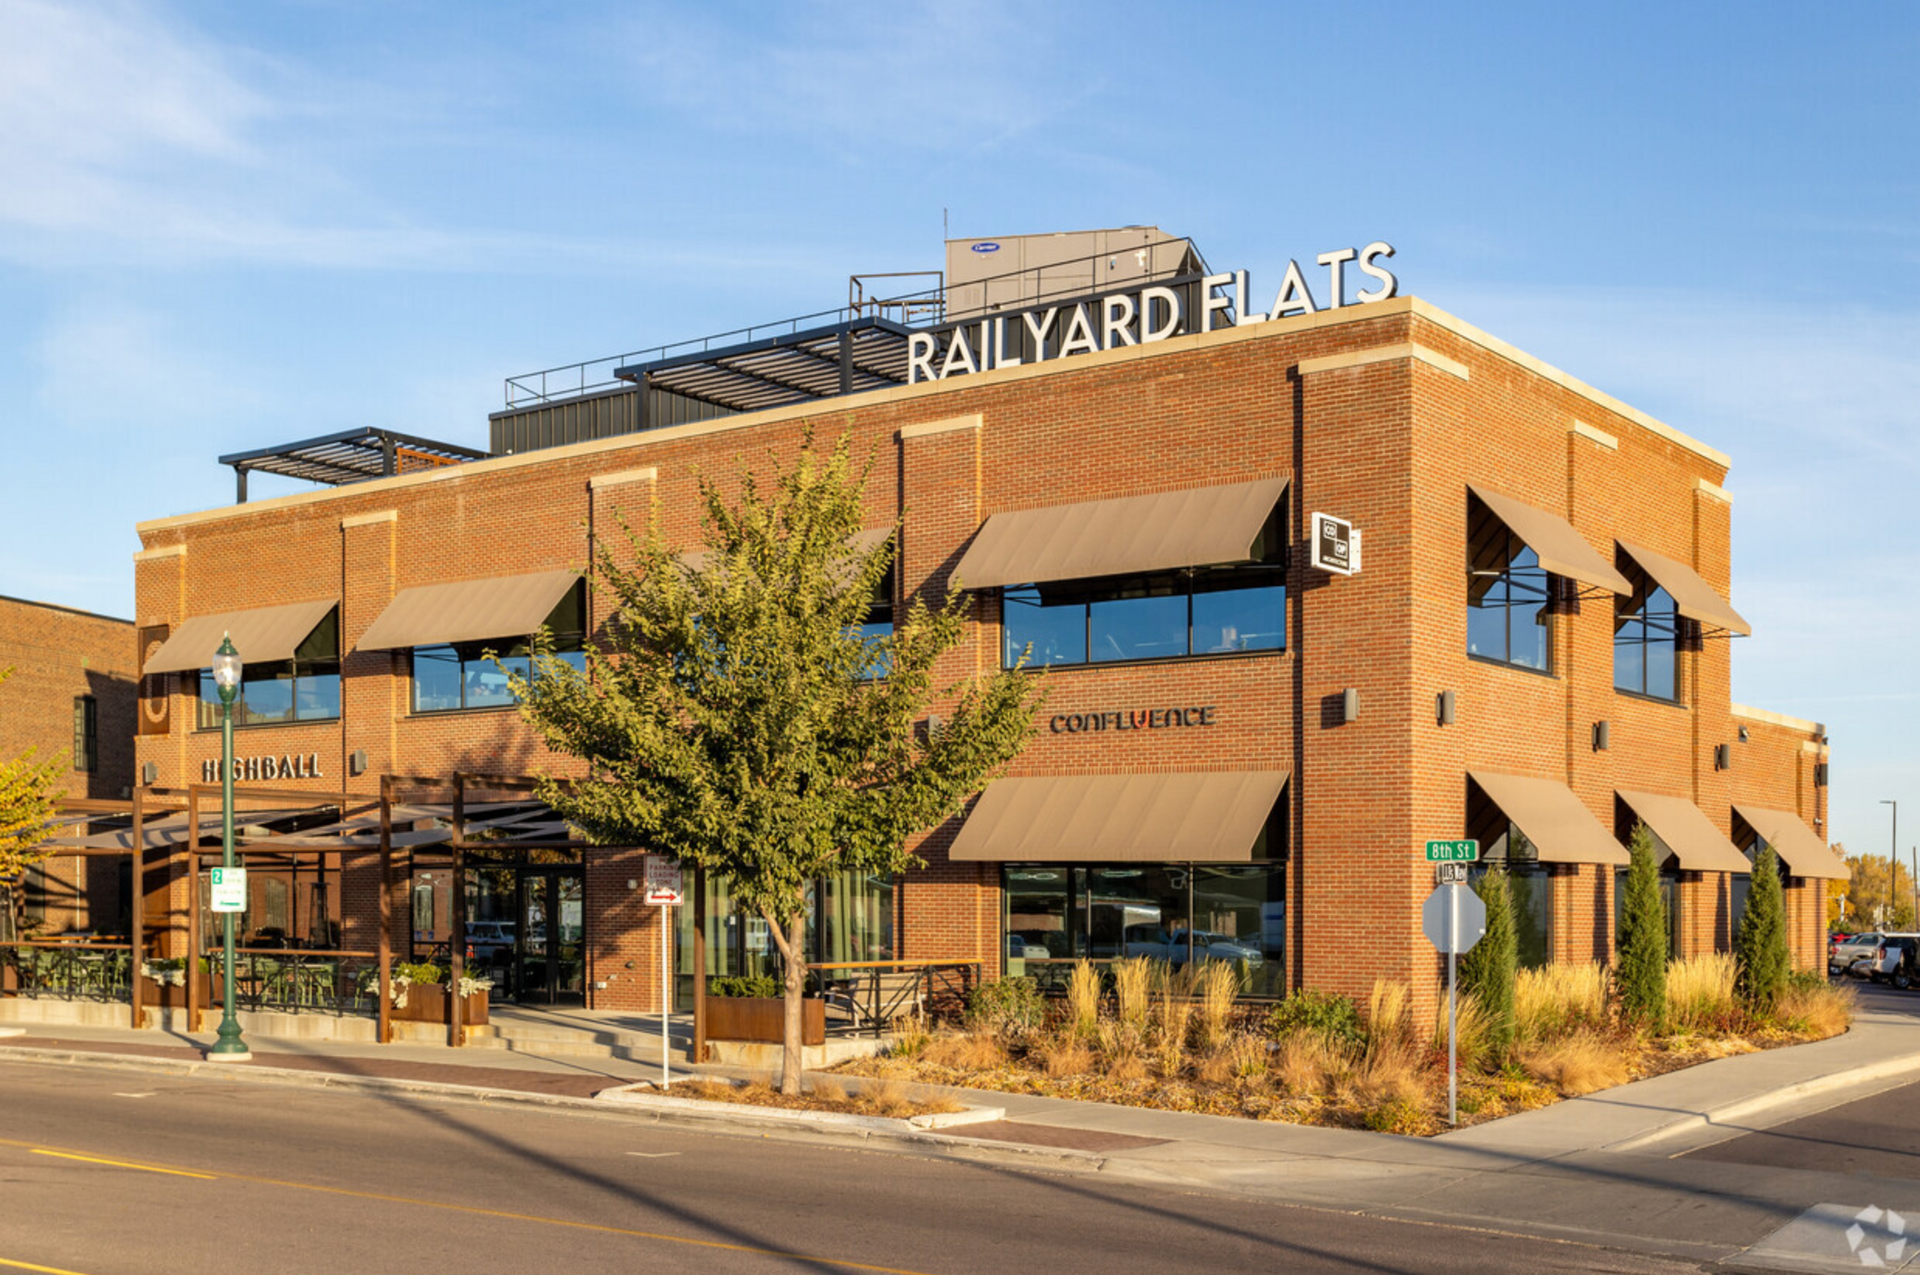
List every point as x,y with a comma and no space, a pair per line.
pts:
119,1173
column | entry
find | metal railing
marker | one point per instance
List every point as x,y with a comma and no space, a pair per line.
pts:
67,971
867,996
295,981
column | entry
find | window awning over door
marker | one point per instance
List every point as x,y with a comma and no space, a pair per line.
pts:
1561,550
1799,847
1202,526
264,636
1692,596
1201,817
1561,829
1695,842
468,610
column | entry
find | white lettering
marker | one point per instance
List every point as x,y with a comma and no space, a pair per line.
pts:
959,355
1211,305
1293,294
920,350
1167,297
1389,286
1079,336
986,345
1001,356
1243,315
1335,263
1039,331
1116,322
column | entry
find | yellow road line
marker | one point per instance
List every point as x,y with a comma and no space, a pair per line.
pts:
29,1266
474,1210
124,1164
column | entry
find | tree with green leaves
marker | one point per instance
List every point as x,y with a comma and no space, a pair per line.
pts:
1489,968
29,791
741,722
1640,961
1760,955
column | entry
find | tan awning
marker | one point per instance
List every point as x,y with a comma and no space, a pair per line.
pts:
1560,548
1692,596
266,636
1198,527
1561,829
1799,847
860,542
468,610
1695,842
1204,817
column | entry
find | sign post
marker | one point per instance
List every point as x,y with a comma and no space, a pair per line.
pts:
1454,919
664,892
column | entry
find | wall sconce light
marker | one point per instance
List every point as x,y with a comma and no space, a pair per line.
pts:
1722,756
149,772
1819,776
357,762
1443,709
1602,736
1743,734
1350,705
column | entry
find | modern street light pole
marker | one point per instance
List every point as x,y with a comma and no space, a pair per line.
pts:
226,678
1893,860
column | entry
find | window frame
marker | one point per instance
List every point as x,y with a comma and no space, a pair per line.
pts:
86,735
1635,614
1551,592
312,666
511,647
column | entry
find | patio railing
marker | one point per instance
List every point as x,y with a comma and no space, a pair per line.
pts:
76,971
295,980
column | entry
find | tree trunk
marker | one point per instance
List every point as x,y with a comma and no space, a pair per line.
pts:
791,1033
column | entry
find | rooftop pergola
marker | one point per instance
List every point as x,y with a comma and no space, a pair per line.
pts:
352,456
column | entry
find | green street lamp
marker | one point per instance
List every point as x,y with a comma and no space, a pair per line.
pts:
226,678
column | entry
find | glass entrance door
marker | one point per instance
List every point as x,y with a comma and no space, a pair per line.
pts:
550,965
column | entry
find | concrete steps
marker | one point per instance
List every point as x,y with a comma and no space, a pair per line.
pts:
560,1034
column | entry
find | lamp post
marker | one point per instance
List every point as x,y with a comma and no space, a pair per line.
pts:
226,678
1893,861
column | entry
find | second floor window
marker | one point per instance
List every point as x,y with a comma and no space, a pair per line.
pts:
302,689
1154,615
459,675
1508,595
1647,632
86,734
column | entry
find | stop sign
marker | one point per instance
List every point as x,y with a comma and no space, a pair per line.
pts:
1438,913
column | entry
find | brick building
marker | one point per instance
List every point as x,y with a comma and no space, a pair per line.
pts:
1241,754
71,695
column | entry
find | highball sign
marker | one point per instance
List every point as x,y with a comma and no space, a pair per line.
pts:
1139,316
265,769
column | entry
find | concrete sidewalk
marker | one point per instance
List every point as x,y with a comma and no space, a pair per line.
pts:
1598,1169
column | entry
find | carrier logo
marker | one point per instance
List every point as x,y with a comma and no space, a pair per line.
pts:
1140,316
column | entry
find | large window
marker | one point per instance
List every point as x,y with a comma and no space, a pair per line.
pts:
86,734
1508,595
1154,615
302,689
460,675
1647,633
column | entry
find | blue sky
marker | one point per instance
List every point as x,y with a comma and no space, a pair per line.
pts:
232,224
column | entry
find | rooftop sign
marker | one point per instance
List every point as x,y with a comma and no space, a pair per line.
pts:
1136,316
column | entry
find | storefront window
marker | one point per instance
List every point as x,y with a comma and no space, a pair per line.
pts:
305,688
1529,885
461,675
1156,615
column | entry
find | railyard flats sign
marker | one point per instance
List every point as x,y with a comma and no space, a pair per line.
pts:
261,769
1132,719
1137,316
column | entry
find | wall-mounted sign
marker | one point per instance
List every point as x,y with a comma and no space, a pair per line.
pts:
1140,316
1333,545
1132,719
264,769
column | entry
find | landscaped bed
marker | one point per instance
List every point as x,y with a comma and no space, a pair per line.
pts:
885,1098
1150,1036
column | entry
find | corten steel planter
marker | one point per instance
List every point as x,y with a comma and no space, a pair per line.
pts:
429,1003
763,1019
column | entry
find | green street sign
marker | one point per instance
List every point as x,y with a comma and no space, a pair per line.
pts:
1453,851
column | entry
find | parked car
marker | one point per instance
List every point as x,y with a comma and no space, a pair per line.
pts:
1893,961
1844,955
1215,947
489,937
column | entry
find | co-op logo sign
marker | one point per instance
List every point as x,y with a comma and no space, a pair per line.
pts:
1139,316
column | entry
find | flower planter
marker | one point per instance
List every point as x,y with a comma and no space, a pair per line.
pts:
429,1003
763,1018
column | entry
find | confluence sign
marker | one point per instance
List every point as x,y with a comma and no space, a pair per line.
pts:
1453,851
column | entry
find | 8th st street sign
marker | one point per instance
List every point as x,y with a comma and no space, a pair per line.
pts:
1466,851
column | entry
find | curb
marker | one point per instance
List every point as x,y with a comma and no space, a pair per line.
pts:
1723,1118
641,1096
784,1125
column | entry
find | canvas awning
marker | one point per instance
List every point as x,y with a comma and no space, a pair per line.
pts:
1561,550
860,542
1201,526
1801,848
1692,596
1683,829
1200,817
1561,829
264,636
468,610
